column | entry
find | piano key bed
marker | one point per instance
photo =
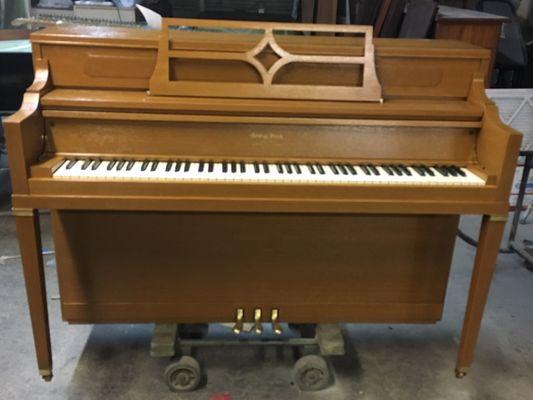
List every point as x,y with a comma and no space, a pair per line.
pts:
268,172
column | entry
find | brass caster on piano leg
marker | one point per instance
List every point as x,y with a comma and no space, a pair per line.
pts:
239,324
460,373
46,374
258,327
276,327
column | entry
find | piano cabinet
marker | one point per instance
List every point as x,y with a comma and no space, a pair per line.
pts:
184,250
195,267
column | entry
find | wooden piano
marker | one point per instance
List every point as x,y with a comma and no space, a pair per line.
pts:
212,168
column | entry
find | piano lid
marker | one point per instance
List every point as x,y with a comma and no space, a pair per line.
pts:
108,68
263,67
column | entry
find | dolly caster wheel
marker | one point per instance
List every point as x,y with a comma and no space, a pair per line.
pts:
47,378
311,373
183,375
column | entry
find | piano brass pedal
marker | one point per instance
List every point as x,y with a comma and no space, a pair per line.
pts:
239,324
257,327
276,326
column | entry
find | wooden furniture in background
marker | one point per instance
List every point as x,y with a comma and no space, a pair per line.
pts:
319,11
14,34
479,28
203,249
393,19
382,14
418,19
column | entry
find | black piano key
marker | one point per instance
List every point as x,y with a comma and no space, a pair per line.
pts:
387,169
129,165
145,165
297,168
169,165
86,164
187,166
111,164
351,169
96,164
374,170
178,166
201,166
233,167
243,167
266,168
224,166
342,168
404,169
311,168
288,168
365,169
320,169
155,163
71,163
211,166
419,171
451,171
256,167
442,170
396,170
279,167
120,165
458,170
334,169
428,170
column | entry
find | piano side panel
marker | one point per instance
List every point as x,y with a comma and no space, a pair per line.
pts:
197,267
255,140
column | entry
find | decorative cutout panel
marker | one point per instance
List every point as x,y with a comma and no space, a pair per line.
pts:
200,60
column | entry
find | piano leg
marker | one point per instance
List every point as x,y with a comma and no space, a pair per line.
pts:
28,230
489,244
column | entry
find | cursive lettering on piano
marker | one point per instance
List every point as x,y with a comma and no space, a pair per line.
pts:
267,137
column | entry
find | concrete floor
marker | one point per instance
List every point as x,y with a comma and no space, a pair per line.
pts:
384,362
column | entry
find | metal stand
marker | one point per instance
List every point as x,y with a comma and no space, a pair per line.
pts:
512,244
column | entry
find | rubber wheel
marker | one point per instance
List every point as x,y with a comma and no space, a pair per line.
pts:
183,375
311,373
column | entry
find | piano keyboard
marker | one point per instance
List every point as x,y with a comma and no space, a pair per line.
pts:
257,172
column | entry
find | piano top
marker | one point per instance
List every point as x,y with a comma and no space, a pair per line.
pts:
110,68
146,38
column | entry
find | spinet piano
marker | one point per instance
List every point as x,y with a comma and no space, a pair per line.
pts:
304,170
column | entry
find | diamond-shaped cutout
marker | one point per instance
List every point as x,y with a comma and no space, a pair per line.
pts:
267,56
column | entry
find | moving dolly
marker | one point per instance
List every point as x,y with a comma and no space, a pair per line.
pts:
311,372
